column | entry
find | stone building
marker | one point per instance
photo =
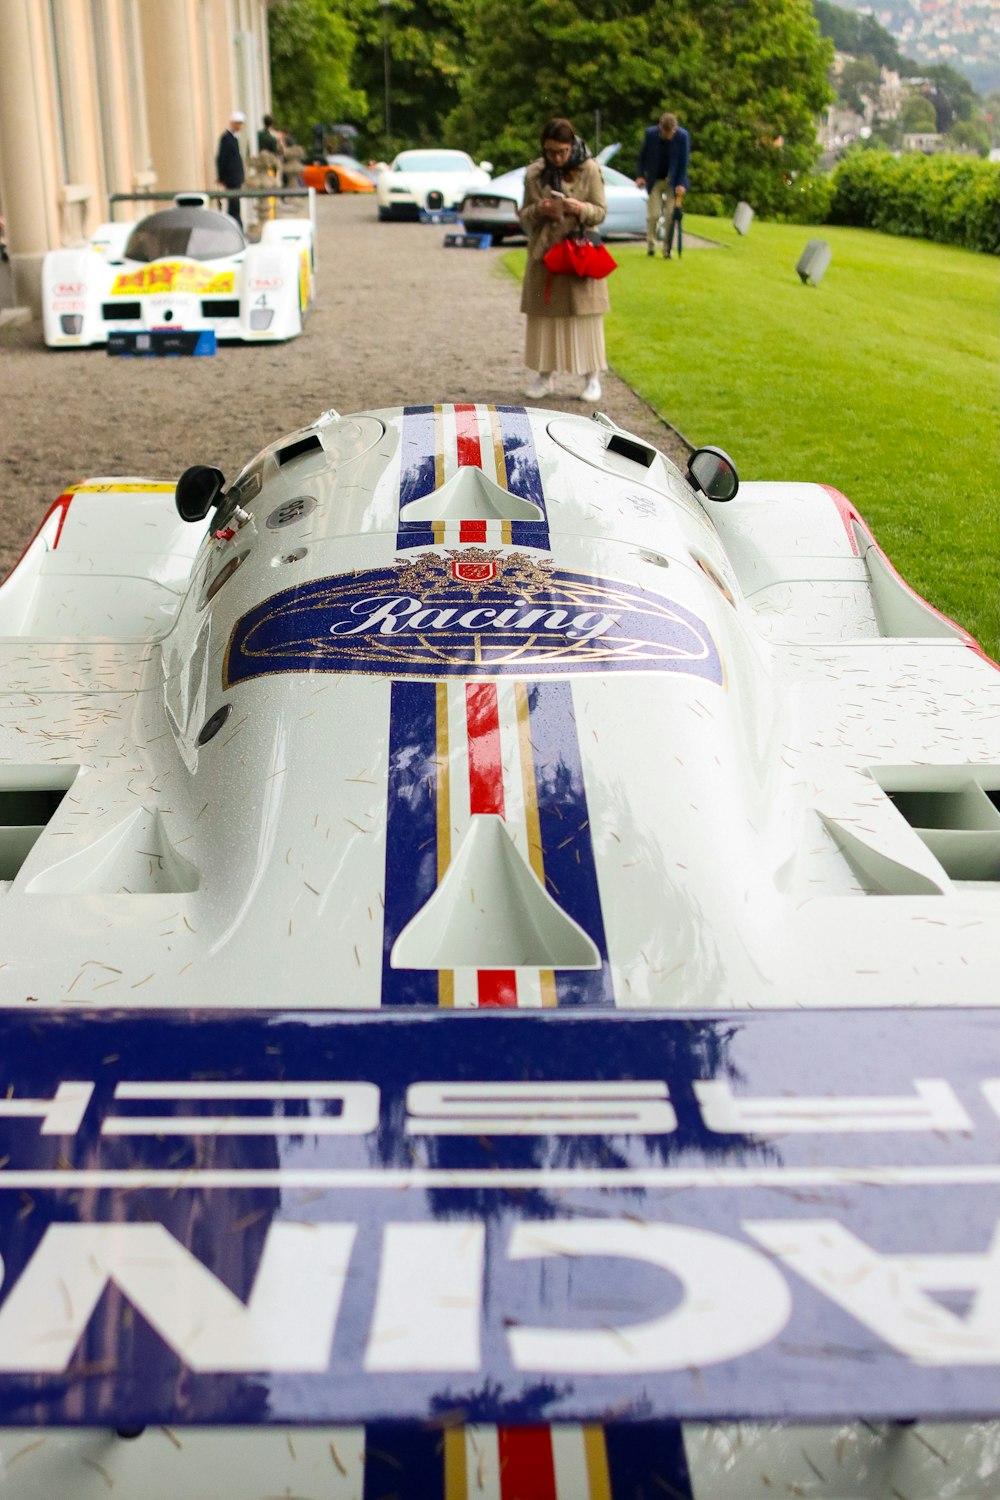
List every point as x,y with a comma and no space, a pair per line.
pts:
115,96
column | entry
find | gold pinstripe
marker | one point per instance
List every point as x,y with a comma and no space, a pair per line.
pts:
456,1482
446,979
596,1453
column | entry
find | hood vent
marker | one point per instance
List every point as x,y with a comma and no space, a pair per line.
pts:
470,496
292,451
492,912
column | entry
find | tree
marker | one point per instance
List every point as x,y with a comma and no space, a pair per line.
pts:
312,47
425,42
746,77
991,116
970,135
918,115
858,82
860,36
954,97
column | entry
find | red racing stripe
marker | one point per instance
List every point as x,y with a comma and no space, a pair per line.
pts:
472,531
527,1471
467,432
482,717
497,987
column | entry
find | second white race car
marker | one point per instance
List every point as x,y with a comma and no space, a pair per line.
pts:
185,270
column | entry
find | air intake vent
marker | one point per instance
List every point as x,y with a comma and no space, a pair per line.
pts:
121,312
960,826
310,444
23,816
220,307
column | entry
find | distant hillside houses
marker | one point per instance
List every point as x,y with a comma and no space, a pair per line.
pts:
897,109
963,33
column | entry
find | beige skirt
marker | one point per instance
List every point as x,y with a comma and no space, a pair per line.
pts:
572,344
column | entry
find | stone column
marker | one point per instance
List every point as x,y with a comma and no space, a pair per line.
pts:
29,170
170,64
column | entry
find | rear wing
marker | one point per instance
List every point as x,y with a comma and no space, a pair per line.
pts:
220,195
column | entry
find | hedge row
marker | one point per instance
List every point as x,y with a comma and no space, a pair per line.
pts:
952,199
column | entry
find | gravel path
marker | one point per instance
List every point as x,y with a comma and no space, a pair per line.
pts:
397,319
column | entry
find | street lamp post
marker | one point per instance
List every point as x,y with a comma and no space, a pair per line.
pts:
386,7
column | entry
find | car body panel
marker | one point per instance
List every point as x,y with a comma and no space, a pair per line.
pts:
337,174
259,293
524,1000
426,180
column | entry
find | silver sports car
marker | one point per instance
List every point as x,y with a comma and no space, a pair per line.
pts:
493,210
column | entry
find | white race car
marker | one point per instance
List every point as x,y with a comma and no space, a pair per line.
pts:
160,282
428,182
498,991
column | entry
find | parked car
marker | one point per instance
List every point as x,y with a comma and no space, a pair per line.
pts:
494,210
337,174
431,180
187,268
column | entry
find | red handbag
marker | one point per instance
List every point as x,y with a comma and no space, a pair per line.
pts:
578,256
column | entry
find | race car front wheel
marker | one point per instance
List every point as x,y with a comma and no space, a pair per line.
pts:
331,183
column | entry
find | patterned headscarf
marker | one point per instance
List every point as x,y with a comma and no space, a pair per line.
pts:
552,176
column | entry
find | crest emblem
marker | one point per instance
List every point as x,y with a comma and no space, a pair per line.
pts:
473,572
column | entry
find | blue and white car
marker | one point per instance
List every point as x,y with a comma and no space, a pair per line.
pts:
498,995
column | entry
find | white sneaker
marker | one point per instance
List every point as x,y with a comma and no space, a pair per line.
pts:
540,386
592,390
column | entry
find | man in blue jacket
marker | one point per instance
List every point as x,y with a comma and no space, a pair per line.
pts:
662,171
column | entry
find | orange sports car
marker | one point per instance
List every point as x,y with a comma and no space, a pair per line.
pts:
337,174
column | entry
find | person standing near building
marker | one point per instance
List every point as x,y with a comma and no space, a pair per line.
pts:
662,171
268,138
563,194
229,169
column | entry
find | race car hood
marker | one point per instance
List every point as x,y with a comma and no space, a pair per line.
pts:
463,707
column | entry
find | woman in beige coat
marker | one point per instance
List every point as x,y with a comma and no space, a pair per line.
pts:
563,193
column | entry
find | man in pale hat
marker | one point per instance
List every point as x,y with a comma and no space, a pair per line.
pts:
229,170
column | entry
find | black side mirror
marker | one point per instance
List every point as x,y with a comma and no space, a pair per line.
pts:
712,471
198,489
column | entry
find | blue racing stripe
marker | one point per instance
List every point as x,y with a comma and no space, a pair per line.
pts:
411,833
564,825
403,1462
523,474
418,445
646,1461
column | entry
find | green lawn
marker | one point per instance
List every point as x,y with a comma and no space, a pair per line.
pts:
884,380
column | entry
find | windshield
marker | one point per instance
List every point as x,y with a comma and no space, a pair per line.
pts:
198,233
434,161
